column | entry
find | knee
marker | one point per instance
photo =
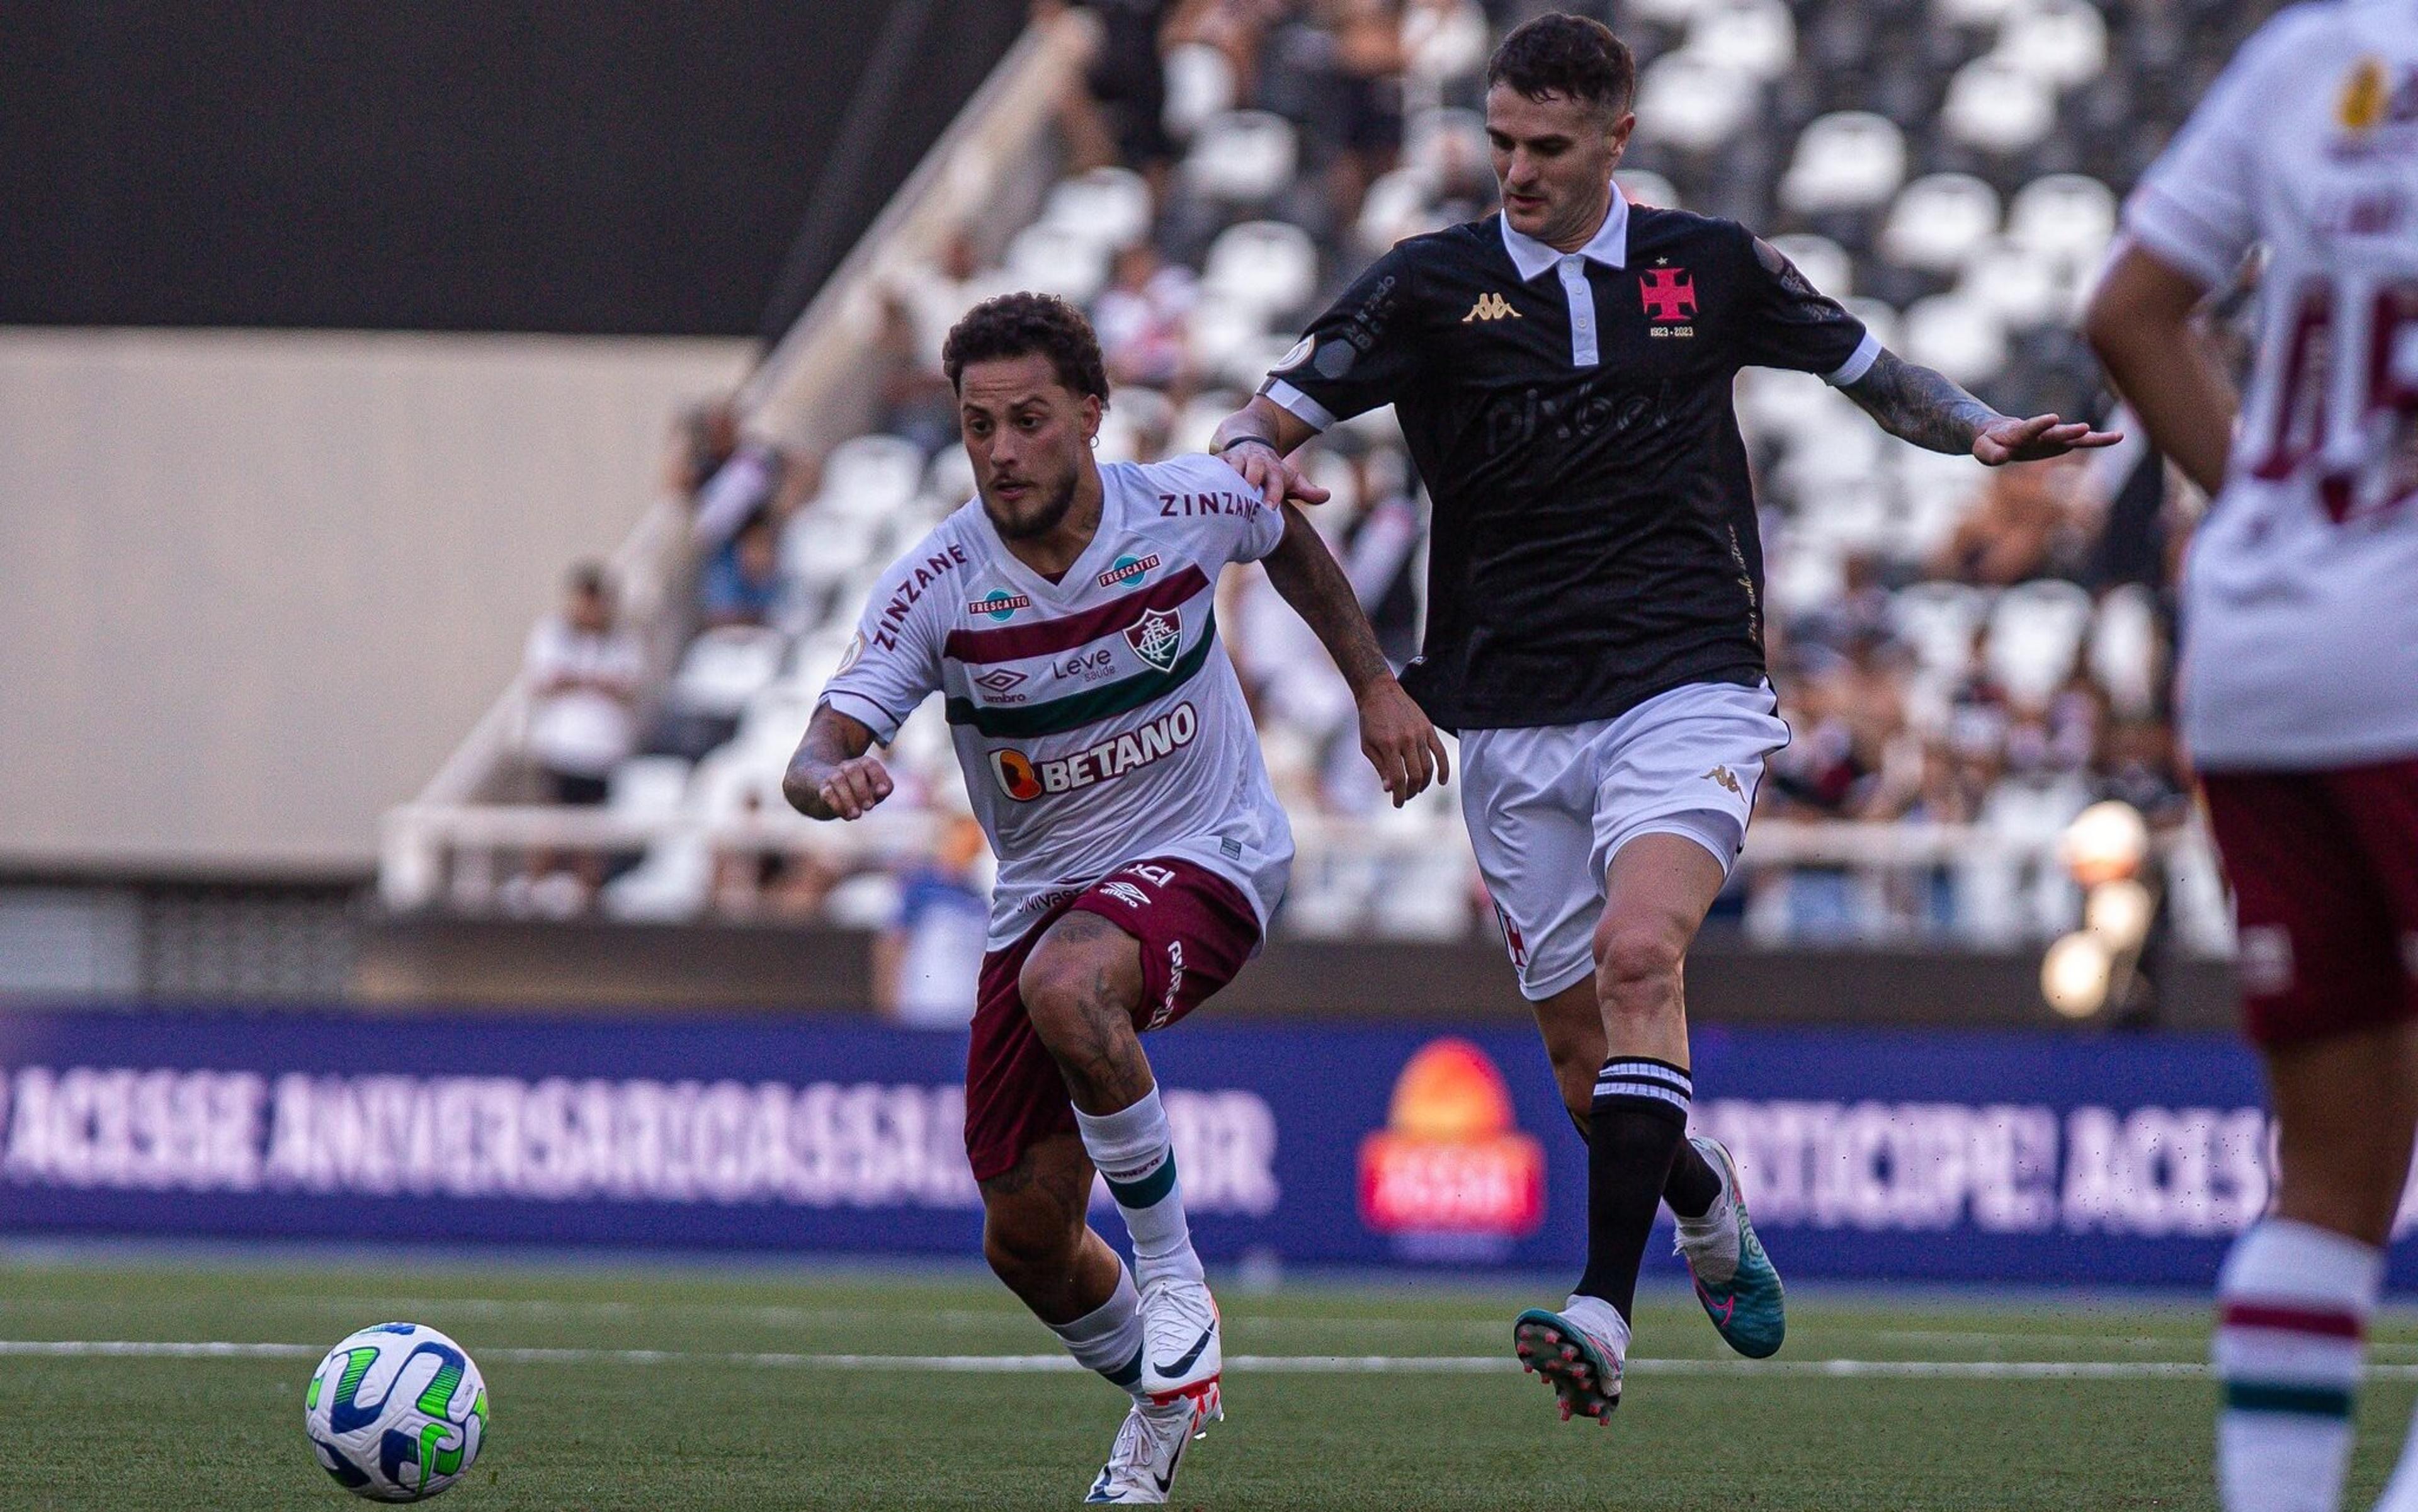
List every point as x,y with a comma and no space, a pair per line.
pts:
1053,986
1636,966
1028,1244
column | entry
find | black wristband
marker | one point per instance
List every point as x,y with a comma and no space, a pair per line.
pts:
1234,441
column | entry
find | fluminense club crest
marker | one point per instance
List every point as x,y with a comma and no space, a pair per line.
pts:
1156,638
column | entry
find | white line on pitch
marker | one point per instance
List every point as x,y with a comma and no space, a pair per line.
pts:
1264,1364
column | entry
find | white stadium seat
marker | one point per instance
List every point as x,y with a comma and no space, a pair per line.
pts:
2124,650
2035,630
1824,264
1757,38
870,475
649,786
1047,258
2015,285
1644,188
1961,338
1879,317
2068,217
1938,620
2061,42
725,665
1110,206
1401,203
1267,266
951,476
1434,140
1998,106
1242,157
1200,84
1444,42
1937,220
1846,161
1693,102
1977,12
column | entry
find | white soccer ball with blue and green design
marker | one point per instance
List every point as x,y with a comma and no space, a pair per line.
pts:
396,1412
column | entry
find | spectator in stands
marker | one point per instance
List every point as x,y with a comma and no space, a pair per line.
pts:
582,671
1144,318
742,585
1118,116
2026,524
928,964
729,479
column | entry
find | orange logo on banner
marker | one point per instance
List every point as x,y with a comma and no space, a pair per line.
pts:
1450,1158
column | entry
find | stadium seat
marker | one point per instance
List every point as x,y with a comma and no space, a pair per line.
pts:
1644,188
1266,268
1445,43
1050,258
649,786
1400,203
2015,285
724,667
821,549
1201,85
1847,161
1758,38
1937,220
951,476
870,475
1956,335
1998,106
1879,317
1110,206
2069,217
2061,42
2124,656
1693,102
2036,627
1434,140
1824,264
1938,620
1241,157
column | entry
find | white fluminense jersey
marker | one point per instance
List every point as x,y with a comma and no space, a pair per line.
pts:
2300,599
1097,718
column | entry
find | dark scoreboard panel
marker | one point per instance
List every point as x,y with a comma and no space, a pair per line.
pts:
610,166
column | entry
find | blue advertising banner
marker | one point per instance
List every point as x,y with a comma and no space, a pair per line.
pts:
1982,1156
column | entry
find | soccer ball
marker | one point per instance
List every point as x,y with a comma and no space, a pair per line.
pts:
396,1412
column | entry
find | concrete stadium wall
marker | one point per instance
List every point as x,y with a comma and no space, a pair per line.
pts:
255,585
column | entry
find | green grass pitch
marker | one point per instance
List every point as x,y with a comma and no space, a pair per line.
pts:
685,1387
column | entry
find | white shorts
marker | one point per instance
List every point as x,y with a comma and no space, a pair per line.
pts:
1549,808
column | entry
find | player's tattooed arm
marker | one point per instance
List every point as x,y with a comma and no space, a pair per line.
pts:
1258,441
831,776
1394,735
1927,408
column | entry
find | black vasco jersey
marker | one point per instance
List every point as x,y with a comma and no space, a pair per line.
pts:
1594,537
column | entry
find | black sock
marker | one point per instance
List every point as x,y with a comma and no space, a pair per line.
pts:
1693,1184
1640,1123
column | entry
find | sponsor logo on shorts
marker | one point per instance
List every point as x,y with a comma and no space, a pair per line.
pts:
1723,776
1155,876
1126,894
2266,965
1044,902
1157,636
1125,569
1174,982
1023,779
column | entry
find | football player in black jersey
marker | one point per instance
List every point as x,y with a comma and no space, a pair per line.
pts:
1562,371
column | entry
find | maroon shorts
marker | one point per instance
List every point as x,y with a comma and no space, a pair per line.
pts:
1196,929
2324,866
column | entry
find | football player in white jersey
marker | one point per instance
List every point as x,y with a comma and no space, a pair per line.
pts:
1067,614
2299,687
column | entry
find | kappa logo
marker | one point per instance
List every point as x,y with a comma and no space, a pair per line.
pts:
1125,569
1157,636
1723,776
1669,294
1490,306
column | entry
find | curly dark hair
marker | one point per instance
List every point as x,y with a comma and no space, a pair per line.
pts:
1021,325
1560,54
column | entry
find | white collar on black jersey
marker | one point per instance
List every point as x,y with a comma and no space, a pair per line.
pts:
1609,246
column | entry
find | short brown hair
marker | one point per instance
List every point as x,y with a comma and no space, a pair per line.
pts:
1023,325
1559,54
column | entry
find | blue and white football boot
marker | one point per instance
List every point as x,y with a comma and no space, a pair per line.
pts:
1735,1278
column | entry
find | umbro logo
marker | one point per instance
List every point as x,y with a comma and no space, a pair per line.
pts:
1490,306
1723,776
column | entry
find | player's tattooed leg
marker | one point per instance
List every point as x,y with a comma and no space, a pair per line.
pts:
1080,986
1035,1236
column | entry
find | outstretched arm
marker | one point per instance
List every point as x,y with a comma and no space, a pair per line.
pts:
1394,736
2140,323
830,777
1914,404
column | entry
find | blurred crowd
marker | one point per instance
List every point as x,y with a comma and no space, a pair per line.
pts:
1952,645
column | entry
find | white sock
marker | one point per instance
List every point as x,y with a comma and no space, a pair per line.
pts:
2292,1307
1132,1150
1600,1319
1108,1337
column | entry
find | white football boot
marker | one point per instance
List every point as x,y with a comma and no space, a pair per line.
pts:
1181,1355
1141,1463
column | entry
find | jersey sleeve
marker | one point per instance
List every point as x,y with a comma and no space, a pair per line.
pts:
1247,529
1787,323
894,662
2193,210
1360,355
